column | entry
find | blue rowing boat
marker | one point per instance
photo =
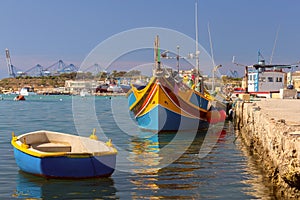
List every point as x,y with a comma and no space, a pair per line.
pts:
59,155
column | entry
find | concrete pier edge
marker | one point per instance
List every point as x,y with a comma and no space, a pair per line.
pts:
271,130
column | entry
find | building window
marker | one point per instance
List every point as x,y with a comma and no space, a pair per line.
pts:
270,79
279,79
262,79
250,77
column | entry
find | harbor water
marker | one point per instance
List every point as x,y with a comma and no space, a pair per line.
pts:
228,171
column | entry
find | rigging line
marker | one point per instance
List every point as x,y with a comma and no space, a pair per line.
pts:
271,58
211,46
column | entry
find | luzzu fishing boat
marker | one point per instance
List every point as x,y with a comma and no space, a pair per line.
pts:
166,104
59,155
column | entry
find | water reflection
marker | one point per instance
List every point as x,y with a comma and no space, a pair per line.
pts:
153,152
259,183
33,187
154,149
180,178
227,172
215,176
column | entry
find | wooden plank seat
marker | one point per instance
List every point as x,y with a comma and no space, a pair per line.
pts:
52,147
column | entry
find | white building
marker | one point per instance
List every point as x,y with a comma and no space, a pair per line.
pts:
263,80
79,85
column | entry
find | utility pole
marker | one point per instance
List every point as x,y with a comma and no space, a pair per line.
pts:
177,57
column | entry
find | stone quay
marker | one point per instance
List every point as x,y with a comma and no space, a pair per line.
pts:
270,128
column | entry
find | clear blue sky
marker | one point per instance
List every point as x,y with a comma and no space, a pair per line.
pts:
45,31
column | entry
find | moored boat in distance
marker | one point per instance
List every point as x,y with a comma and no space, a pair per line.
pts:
59,155
84,93
19,98
26,91
166,104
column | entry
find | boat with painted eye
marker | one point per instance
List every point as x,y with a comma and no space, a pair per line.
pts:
60,155
166,104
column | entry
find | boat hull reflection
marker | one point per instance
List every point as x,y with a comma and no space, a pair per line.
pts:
152,152
30,186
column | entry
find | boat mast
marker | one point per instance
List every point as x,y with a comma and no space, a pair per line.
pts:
212,57
156,53
157,71
198,77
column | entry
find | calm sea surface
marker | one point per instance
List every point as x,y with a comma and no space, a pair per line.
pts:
167,166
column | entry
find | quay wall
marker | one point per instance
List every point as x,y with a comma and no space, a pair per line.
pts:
271,130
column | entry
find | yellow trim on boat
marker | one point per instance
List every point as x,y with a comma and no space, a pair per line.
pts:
188,94
33,152
140,93
208,96
190,104
161,98
151,104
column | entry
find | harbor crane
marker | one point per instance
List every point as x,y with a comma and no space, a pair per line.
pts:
38,70
95,69
60,67
11,70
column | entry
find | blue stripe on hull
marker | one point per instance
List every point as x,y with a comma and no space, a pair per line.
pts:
162,119
199,101
131,99
65,167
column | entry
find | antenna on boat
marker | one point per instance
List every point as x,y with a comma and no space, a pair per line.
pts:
271,58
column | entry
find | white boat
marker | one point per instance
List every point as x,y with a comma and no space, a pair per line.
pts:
114,88
26,91
84,93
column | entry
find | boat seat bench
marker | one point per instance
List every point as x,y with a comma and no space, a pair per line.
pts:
52,147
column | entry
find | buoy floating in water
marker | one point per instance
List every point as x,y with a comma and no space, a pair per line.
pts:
19,98
213,116
222,115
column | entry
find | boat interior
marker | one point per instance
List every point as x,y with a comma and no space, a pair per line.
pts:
47,141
